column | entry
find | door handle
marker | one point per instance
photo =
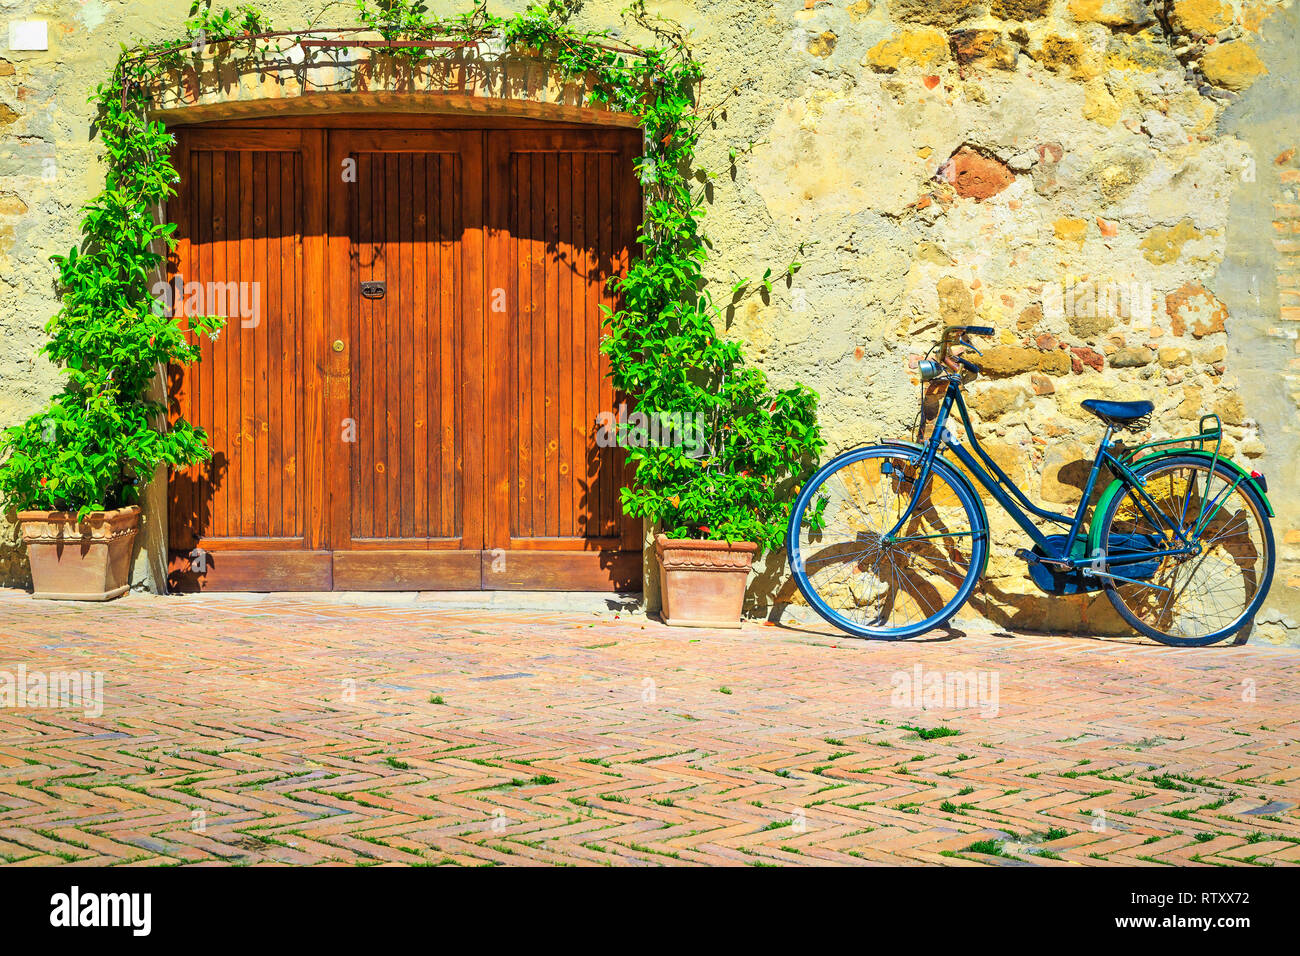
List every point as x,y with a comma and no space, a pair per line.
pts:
372,290
338,345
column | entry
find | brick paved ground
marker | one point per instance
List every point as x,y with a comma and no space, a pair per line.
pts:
304,732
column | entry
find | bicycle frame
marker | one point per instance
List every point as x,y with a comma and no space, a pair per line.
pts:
1015,503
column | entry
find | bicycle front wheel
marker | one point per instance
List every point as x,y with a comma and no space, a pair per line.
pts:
865,583
1195,599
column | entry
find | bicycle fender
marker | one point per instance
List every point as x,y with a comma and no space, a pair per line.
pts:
961,476
1114,488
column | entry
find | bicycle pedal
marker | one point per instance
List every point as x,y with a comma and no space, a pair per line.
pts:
1027,556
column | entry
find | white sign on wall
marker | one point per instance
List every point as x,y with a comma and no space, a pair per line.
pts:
28,35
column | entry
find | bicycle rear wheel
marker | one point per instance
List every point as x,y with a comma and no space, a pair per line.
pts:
1200,598
865,584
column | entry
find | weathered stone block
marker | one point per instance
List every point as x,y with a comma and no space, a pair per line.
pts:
1172,356
1070,229
1054,363
1112,13
989,48
1194,307
1088,325
927,251
1231,409
822,45
1065,55
976,176
994,401
923,48
1163,245
1190,408
1003,360
1084,356
11,204
1132,358
1029,317
1099,105
1012,459
1019,9
939,13
1117,177
1233,66
1200,18
1065,472
956,304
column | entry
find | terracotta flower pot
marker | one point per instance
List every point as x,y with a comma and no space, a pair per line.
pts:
80,561
703,582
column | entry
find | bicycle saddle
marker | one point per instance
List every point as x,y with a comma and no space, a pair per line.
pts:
1118,413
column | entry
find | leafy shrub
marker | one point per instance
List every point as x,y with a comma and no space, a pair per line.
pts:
101,437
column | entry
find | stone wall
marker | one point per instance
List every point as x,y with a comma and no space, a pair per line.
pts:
1110,183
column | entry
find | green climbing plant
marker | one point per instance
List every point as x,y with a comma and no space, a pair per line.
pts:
731,474
101,436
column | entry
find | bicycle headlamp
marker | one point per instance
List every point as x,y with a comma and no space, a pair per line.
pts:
929,369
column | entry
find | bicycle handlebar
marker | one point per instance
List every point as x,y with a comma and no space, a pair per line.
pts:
954,334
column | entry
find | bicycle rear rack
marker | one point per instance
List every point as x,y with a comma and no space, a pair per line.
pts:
1200,439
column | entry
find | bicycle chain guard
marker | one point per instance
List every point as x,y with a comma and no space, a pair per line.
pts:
1060,581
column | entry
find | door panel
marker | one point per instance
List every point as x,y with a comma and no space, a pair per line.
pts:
406,387
562,214
249,249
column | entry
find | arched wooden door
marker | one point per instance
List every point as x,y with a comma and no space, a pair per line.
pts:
415,409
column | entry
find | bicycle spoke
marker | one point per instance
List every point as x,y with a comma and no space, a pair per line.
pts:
889,587
1212,590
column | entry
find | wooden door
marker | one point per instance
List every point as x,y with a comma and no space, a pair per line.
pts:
415,405
250,248
406,369
563,208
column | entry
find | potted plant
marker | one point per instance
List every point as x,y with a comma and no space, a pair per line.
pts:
717,452
74,471
719,489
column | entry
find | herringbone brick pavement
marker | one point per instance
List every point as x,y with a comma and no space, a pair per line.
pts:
296,731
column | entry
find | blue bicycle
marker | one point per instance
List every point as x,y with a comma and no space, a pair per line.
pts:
890,540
